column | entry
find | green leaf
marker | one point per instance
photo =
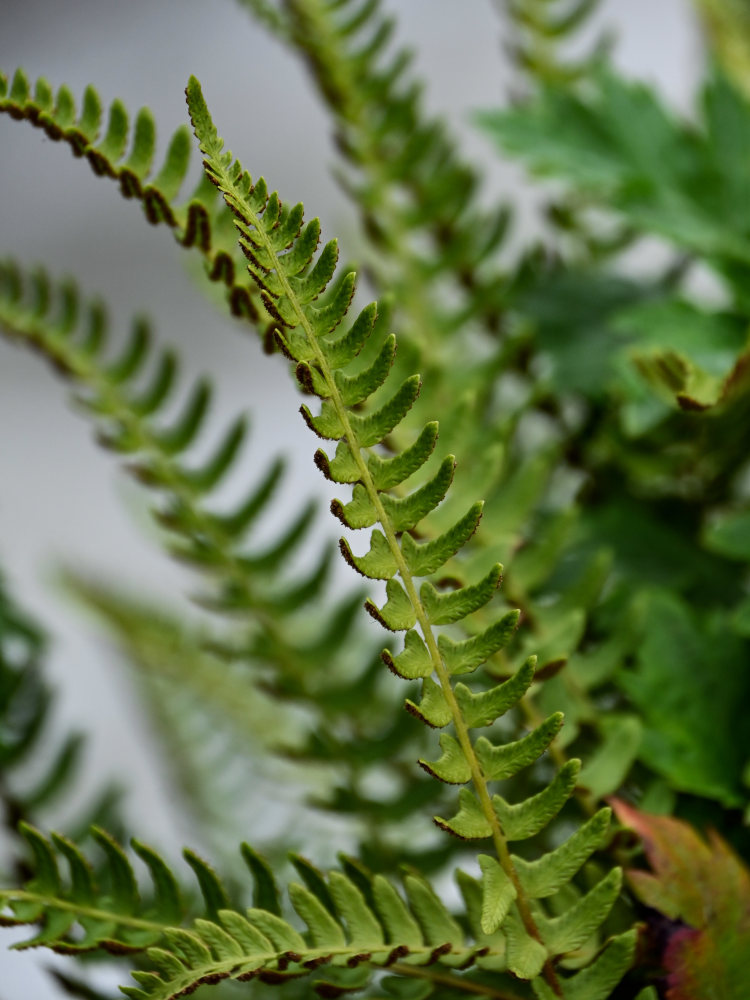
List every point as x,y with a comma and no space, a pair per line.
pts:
498,893
399,923
606,768
266,894
373,427
325,931
378,563
413,661
427,557
484,707
364,929
452,766
525,955
469,823
547,874
446,608
406,512
389,472
433,708
597,980
397,614
438,925
573,928
693,719
522,820
466,655
501,762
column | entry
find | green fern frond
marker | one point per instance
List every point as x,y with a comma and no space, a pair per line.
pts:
542,29
25,706
270,15
395,150
126,154
270,612
72,336
355,924
309,335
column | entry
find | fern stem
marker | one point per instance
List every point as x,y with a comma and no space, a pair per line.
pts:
270,959
80,910
462,732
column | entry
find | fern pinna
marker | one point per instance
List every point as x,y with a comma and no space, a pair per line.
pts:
281,253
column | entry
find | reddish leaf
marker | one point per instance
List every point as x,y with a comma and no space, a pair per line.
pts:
706,887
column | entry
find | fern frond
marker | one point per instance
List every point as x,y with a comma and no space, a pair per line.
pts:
270,15
542,30
25,705
278,621
406,176
355,924
126,154
310,336
72,336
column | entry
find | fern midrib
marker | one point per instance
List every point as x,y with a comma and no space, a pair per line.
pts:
462,733
81,910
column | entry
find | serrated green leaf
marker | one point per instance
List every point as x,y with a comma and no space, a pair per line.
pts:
501,762
371,428
547,874
466,655
378,563
413,661
424,558
389,472
452,766
597,980
406,512
433,708
398,613
522,820
573,928
498,893
446,608
356,389
469,823
484,707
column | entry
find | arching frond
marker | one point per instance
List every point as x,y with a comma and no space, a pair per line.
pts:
25,705
354,924
126,154
417,197
310,334
300,645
